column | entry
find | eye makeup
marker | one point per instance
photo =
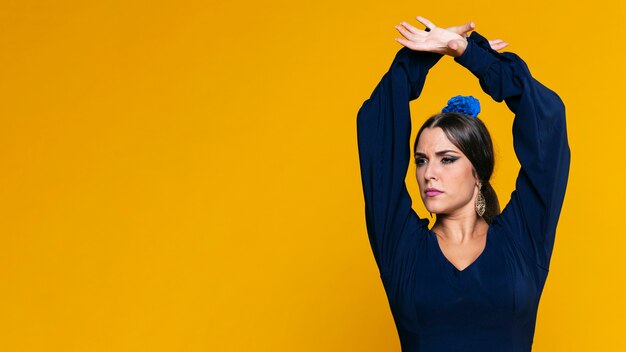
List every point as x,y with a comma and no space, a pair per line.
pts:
420,160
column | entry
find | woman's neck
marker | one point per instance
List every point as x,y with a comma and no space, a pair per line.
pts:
460,228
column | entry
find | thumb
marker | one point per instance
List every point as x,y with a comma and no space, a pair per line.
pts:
464,28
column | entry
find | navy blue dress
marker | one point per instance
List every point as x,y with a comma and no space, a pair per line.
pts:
492,304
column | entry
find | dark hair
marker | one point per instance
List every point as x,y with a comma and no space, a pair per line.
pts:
471,136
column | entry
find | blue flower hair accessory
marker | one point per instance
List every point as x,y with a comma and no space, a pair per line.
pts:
467,105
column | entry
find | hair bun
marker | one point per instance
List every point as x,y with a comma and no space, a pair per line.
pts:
466,105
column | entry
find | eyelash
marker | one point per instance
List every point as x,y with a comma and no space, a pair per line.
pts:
445,160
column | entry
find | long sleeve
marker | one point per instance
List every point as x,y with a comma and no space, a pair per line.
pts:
383,133
540,142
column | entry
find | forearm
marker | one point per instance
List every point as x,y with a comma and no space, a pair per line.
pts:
383,132
540,142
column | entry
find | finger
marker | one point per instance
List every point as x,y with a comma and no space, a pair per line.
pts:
499,46
405,42
405,32
426,22
464,28
410,28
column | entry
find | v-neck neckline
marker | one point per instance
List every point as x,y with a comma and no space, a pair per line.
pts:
449,263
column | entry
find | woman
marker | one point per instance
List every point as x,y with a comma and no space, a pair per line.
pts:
473,281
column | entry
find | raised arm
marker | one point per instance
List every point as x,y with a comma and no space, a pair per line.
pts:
540,142
383,133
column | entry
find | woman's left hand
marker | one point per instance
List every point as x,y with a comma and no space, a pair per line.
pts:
447,41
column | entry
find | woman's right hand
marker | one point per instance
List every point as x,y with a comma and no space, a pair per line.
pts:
447,41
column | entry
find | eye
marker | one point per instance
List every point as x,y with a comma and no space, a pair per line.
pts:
420,161
448,160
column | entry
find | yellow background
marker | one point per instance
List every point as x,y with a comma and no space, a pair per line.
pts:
183,175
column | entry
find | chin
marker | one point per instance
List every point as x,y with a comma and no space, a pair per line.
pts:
436,209
443,210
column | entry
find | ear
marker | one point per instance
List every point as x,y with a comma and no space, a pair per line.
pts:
476,177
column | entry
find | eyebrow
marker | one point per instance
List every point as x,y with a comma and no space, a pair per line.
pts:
441,152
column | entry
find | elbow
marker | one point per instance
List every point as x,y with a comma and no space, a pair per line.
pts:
560,105
556,104
365,117
360,118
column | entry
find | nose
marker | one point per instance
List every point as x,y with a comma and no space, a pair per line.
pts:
430,173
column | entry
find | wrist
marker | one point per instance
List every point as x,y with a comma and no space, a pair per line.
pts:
476,59
458,47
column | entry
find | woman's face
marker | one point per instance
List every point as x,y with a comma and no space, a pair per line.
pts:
444,174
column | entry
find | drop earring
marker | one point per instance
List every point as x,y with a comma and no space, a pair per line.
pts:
480,204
